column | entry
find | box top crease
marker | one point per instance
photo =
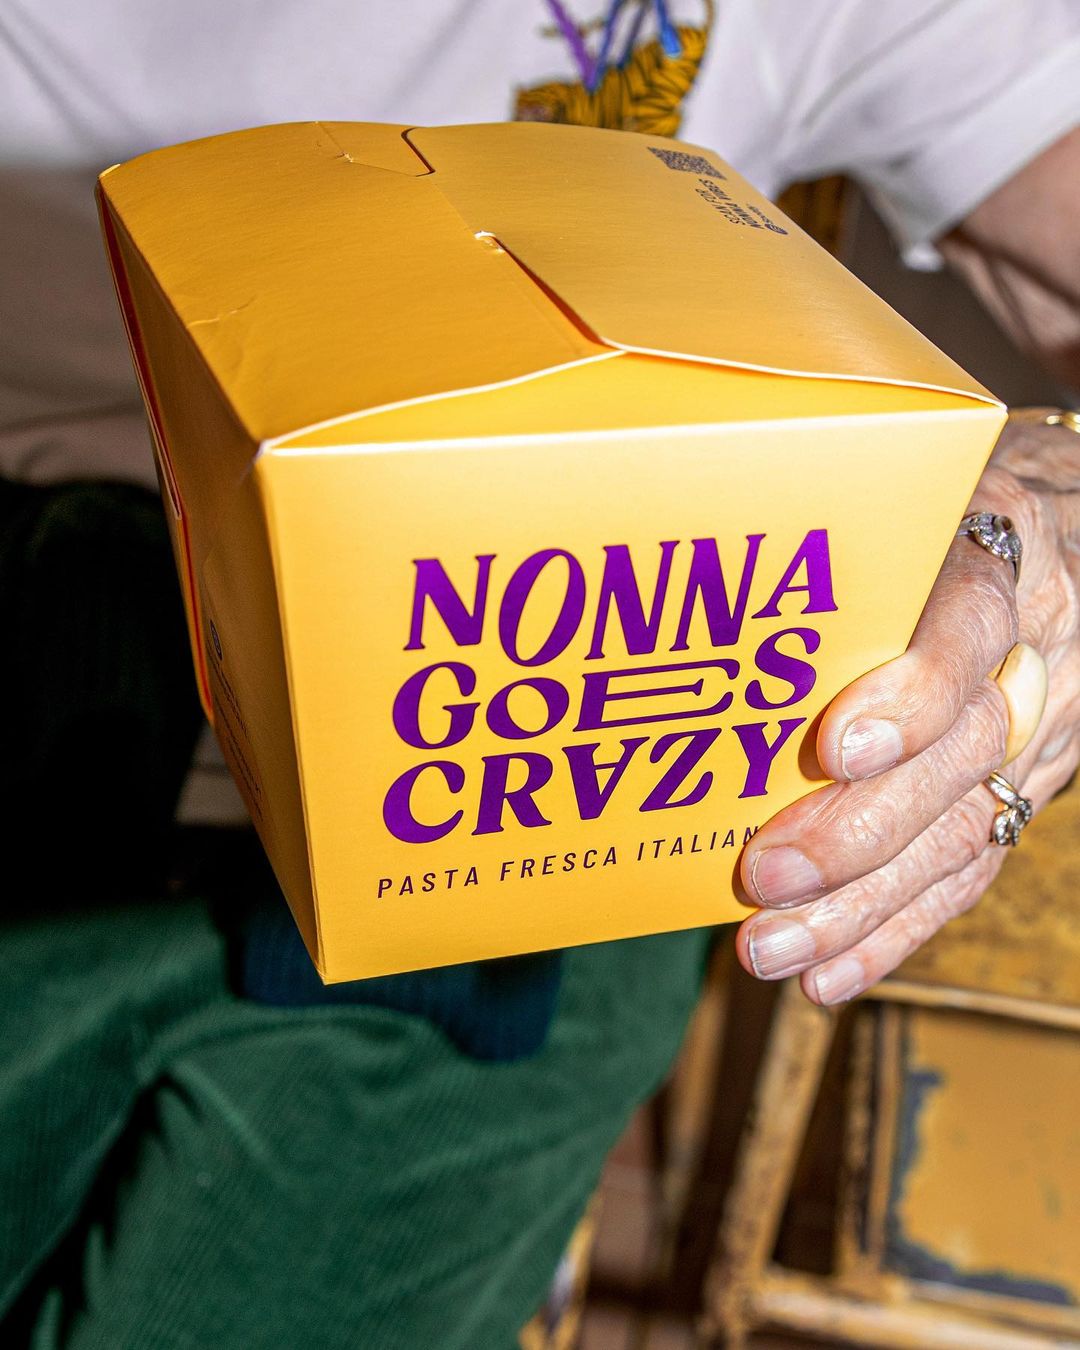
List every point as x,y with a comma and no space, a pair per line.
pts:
524,271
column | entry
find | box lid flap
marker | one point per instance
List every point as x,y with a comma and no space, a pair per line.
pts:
660,247
315,283
326,270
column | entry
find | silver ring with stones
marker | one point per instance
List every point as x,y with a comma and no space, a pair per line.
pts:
1014,811
997,535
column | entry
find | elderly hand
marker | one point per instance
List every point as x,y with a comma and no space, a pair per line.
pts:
857,875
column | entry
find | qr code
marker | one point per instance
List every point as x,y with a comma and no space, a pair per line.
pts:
679,159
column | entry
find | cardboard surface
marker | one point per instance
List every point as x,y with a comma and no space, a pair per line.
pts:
518,573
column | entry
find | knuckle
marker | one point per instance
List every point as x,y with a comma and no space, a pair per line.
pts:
931,915
934,691
1056,746
909,696
859,827
970,888
988,728
857,910
980,626
871,827
943,903
966,833
916,925
969,897
948,682
1063,773
991,620
1054,614
1013,498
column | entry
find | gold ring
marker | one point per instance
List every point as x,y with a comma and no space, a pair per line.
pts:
1013,813
1068,418
1064,417
1022,679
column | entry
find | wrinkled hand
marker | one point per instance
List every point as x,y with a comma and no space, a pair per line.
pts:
857,875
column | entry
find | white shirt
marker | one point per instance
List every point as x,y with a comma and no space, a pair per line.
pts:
931,104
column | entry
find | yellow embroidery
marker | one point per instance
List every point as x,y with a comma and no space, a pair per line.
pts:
646,94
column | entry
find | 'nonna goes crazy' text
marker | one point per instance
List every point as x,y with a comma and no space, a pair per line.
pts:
655,709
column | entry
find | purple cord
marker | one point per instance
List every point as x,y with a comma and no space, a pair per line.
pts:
585,64
592,71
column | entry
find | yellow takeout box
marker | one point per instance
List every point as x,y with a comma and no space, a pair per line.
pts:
533,489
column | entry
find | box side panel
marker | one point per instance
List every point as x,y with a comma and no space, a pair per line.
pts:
203,452
544,693
175,516
212,504
249,691
314,284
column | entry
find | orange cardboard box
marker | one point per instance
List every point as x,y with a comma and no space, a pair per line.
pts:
533,489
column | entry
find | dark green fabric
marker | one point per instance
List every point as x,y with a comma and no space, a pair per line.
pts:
182,1168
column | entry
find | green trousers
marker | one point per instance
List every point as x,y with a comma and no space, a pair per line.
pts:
182,1168
185,1168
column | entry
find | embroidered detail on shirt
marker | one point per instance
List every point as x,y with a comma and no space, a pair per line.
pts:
643,91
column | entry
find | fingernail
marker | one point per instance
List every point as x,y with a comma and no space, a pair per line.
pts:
869,746
840,980
779,947
783,875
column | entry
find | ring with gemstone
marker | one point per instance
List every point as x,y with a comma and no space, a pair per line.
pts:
997,535
1014,811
